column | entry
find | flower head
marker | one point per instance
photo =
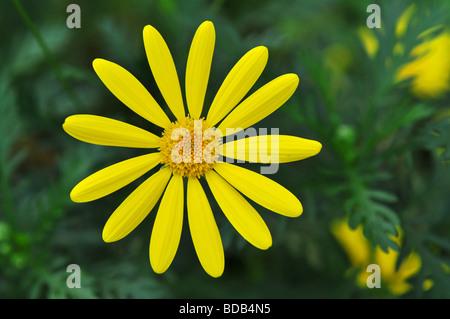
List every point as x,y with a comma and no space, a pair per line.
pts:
361,254
429,68
189,149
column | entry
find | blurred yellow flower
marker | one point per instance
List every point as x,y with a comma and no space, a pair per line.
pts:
361,254
429,69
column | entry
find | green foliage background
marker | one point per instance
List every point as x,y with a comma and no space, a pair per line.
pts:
384,160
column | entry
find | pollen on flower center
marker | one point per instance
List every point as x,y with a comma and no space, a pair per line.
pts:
188,147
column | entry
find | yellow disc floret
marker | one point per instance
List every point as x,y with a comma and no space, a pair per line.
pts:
188,147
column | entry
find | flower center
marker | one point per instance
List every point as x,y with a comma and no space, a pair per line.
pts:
188,147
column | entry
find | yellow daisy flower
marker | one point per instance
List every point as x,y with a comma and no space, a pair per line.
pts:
429,68
361,254
225,180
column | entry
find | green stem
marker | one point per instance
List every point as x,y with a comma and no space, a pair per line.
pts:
47,53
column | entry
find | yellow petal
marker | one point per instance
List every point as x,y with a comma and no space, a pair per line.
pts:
409,266
353,242
427,284
361,277
369,41
399,287
403,21
105,131
204,232
244,218
258,149
166,232
261,189
136,206
114,177
198,67
130,91
163,69
237,83
261,103
398,283
386,261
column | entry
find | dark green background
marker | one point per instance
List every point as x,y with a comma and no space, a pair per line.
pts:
375,134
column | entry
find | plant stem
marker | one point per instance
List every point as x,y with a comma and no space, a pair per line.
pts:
48,54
